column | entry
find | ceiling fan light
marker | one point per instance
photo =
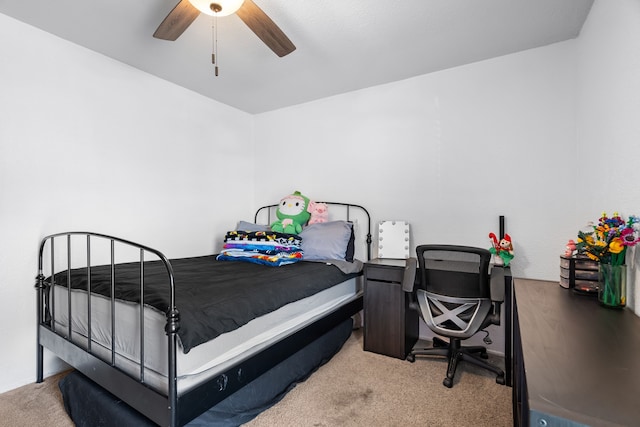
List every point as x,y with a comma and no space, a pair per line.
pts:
228,6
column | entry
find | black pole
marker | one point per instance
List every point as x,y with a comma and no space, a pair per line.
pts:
502,227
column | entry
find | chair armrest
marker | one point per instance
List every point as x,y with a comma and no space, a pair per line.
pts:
497,283
409,276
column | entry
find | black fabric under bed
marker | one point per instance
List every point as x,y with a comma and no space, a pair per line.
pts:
89,405
213,297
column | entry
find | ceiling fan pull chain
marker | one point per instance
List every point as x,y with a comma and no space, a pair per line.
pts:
214,42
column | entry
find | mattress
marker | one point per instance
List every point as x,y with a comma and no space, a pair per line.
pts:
203,361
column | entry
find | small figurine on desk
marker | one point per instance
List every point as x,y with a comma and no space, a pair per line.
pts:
570,249
502,250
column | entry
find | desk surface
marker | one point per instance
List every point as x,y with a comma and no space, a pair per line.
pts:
582,361
388,262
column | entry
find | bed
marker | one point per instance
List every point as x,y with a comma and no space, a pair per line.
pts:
173,338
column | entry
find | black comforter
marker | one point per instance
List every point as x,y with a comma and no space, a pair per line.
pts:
213,297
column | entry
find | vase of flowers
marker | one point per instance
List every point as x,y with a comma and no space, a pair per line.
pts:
608,242
612,286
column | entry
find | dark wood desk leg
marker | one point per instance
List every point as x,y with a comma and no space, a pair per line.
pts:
508,330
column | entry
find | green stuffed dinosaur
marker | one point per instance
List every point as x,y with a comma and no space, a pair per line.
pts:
293,213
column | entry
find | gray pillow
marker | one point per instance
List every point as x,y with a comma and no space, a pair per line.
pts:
326,240
250,226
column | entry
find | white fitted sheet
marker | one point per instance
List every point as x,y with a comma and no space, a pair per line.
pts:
203,361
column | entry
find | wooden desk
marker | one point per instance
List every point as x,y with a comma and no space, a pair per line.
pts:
390,326
575,362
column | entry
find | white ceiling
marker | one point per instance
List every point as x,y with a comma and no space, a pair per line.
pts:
342,45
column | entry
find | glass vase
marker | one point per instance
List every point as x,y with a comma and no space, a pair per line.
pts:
612,286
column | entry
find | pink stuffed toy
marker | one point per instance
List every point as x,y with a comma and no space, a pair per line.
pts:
319,212
570,248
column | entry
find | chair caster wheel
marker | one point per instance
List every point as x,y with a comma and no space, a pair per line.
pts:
447,382
500,380
411,358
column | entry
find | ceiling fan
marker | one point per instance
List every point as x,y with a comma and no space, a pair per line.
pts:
186,11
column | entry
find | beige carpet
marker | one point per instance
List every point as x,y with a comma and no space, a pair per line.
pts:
34,405
356,388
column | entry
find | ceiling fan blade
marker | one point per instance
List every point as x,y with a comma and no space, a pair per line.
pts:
265,28
177,21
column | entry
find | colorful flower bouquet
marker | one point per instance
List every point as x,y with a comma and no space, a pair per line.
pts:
609,240
608,244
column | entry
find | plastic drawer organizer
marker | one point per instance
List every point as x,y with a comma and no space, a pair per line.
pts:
579,273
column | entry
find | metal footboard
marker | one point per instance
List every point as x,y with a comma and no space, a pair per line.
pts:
161,409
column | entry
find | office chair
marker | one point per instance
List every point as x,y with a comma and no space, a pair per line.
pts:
457,299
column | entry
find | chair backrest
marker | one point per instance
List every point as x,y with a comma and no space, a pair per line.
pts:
456,271
455,299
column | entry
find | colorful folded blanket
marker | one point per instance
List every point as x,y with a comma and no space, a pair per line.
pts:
268,249
262,247
258,258
263,236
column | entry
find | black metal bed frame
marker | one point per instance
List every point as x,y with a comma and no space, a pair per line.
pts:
172,408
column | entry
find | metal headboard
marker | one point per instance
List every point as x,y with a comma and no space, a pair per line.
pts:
359,211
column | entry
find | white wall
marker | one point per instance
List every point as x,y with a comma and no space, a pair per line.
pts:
449,152
90,143
607,117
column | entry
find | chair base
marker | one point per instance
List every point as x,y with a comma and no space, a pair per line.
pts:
455,353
